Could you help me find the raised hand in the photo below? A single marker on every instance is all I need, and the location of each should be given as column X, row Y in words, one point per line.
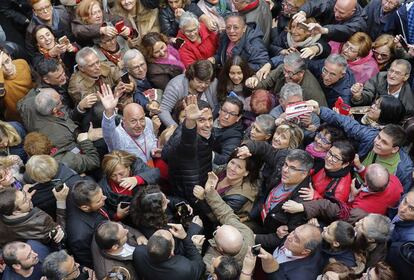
column 108, row 99
column 211, row 183
column 192, row 112
column 356, row 90
column 243, row 152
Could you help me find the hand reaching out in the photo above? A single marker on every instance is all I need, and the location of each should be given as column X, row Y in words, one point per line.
column 211, row 183
column 108, row 99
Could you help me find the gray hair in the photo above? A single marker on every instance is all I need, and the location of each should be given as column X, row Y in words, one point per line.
column 403, row 62
column 294, row 60
column 51, row 265
column 188, row 17
column 44, row 101
column 131, row 54
column 378, row 228
column 289, row 90
column 82, row 53
column 339, row 60
column 306, row 161
column 266, row 123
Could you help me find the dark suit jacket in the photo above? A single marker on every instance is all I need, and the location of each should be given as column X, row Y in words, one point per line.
column 302, row 269
column 188, row 267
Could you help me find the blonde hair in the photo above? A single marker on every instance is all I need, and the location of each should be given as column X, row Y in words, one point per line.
column 7, row 130
column 84, row 8
column 42, row 168
column 295, row 133
column 111, row 160
column 5, row 164
column 385, row 40
column 363, row 41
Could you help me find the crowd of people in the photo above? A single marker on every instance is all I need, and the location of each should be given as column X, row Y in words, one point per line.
column 206, row 139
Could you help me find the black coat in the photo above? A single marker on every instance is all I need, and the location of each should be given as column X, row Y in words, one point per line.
column 178, row 267
column 168, row 23
column 189, row 158
column 225, row 141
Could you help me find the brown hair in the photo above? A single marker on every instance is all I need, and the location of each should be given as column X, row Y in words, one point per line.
column 342, row 270
column 308, row 20
column 385, row 40
column 295, row 133
column 111, row 160
column 385, row 271
column 84, row 7
column 363, row 41
column 148, row 42
column 200, row 69
column 36, row 143
column 33, row 2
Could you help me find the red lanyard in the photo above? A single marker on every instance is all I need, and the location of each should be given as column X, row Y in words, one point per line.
column 145, row 145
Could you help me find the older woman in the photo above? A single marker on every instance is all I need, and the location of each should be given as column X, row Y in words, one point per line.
column 299, row 38
column 383, row 50
column 123, row 173
column 48, row 46
column 241, row 40
column 143, row 15
column 217, row 10
column 199, row 42
column 357, row 51
column 198, row 80
column 91, row 22
column 9, row 172
column 261, row 129
column 15, row 83
column 11, row 136
column 163, row 59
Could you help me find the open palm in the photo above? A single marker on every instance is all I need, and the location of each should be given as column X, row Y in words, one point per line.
column 108, row 99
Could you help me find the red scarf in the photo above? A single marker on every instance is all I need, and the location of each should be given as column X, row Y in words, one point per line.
column 251, row 6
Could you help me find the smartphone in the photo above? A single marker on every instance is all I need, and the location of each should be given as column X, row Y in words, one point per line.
column 182, row 209
column 119, row 25
column 59, row 186
column 124, row 204
column 256, row 249
column 178, row 43
column 343, row 108
column 404, row 43
column 125, row 78
column 63, row 40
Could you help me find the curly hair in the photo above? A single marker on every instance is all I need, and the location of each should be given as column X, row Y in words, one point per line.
column 146, row 208
column 36, row 143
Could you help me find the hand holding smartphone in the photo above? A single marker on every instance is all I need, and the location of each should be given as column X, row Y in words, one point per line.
column 119, row 26
column 256, row 249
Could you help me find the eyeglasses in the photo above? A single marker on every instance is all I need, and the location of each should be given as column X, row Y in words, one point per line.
column 398, row 73
column 291, row 169
column 347, row 47
column 204, row 83
column 324, row 140
column 327, row 73
column 139, row 66
column 233, row 114
column 75, row 269
column 112, row 39
column 383, row 55
column 334, row 158
column 43, row 10
column 290, row 73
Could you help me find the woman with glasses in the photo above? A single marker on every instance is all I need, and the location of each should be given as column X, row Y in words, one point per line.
column 199, row 42
column 163, row 59
column 298, row 38
column 385, row 110
column 334, row 179
column 358, row 54
column 380, row 271
column 383, row 50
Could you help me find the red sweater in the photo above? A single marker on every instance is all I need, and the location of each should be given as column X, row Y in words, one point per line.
column 320, row 181
column 192, row 51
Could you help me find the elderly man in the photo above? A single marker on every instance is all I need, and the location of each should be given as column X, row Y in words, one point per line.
column 293, row 70
column 55, row 17
column 24, row 260
column 88, row 80
column 340, row 19
column 394, row 82
column 375, row 146
column 299, row 256
column 334, row 77
column 379, row 14
column 134, row 134
column 289, row 94
column 232, row 238
column 257, row 12
column 157, row 259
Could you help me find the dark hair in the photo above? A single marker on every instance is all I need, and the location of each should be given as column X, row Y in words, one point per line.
column 334, row 132
column 392, row 110
column 397, row 133
column 148, row 42
column 251, row 166
column 159, row 248
column 146, row 208
column 224, row 82
column 7, row 201
column 51, row 265
column 47, row 65
column 306, row 161
column 178, row 108
column 200, row 69
column 228, row 269
column 344, row 234
column 83, row 191
column 203, row 104
column 37, row 28
column 235, row 101
column 342, row 270
column 106, row 235
column 347, row 150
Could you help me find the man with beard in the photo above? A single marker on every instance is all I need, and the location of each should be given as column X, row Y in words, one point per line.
column 24, row 260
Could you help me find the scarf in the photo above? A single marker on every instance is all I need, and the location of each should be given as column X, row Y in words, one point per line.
column 308, row 42
column 316, row 154
column 250, row 6
column 173, row 58
column 338, row 174
column 112, row 57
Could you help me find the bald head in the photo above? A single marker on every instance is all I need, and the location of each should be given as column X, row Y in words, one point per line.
column 303, row 240
column 377, row 177
column 134, row 119
column 344, row 9
column 229, row 239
